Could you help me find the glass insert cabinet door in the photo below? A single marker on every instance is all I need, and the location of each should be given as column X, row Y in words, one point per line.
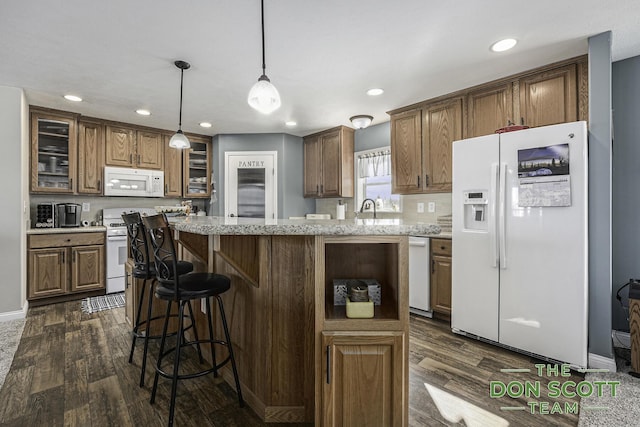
column 53, row 151
column 197, row 180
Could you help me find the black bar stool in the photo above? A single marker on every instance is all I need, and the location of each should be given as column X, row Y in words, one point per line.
column 182, row 289
column 144, row 269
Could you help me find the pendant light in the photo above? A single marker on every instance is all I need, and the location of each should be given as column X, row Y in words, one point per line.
column 263, row 95
column 180, row 140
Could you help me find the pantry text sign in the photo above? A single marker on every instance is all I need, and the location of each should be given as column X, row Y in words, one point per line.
column 561, row 387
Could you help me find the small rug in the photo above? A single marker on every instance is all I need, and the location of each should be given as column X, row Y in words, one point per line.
column 10, row 333
column 102, row 302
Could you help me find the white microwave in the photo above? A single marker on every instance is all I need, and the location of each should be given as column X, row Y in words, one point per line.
column 133, row 182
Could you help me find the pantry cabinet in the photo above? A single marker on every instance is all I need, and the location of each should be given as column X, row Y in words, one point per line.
column 328, row 163
column 61, row 264
column 90, row 157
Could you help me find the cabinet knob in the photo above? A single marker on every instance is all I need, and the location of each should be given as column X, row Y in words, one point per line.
column 68, row 240
column 442, row 247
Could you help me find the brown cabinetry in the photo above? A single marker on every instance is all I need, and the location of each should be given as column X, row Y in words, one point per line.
column 363, row 379
column 362, row 364
column 90, row 156
column 328, row 163
column 53, row 152
column 66, row 263
column 128, row 147
column 489, row 108
column 441, row 276
column 197, row 168
column 421, row 141
column 172, row 169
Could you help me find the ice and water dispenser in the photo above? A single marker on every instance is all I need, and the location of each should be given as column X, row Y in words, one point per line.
column 475, row 210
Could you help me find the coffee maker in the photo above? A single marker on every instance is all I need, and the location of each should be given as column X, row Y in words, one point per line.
column 68, row 215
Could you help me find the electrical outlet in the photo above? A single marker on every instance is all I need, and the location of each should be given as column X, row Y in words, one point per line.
column 420, row 207
column 431, row 207
column 86, row 207
column 203, row 305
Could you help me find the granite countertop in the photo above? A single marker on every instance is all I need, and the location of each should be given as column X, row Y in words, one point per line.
column 332, row 227
column 91, row 229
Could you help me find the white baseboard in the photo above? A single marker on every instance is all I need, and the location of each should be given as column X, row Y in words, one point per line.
column 13, row 315
column 621, row 339
column 600, row 362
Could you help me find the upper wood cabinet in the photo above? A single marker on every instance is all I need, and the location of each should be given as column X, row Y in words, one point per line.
column 197, row 168
column 90, row 156
column 53, row 151
column 172, row 169
column 421, row 142
column 549, row 97
column 328, row 163
column 489, row 108
column 128, row 147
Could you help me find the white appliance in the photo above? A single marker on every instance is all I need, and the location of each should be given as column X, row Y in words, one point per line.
column 117, row 249
column 520, row 272
column 133, row 182
column 419, row 276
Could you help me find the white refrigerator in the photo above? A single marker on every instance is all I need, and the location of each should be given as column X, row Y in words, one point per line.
column 519, row 268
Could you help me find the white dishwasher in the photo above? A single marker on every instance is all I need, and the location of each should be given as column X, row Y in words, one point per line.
column 419, row 276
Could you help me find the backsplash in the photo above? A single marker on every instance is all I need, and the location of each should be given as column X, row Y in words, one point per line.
column 409, row 207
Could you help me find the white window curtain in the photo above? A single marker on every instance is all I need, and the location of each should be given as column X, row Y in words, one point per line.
column 376, row 163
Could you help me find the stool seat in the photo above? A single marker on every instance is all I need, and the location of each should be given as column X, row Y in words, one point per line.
column 144, row 272
column 194, row 286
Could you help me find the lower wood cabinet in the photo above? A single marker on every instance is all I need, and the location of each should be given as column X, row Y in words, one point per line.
column 441, row 276
column 63, row 264
column 363, row 378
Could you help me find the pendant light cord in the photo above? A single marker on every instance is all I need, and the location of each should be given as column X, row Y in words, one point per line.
column 180, row 117
column 263, row 61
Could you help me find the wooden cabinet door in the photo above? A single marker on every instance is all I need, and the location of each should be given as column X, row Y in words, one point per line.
column 331, row 170
column 363, row 379
column 549, row 97
column 406, row 152
column 90, row 157
column 312, row 166
column 120, row 146
column 47, row 273
column 87, row 268
column 442, row 124
column 441, row 284
column 489, row 109
column 172, row 170
column 149, row 150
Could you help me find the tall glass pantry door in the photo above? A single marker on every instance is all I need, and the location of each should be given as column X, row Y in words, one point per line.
column 53, row 153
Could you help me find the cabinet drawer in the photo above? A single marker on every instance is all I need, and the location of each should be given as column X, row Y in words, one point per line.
column 441, row 247
column 37, row 241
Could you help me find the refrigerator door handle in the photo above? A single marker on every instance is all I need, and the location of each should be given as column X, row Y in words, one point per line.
column 502, row 216
column 493, row 235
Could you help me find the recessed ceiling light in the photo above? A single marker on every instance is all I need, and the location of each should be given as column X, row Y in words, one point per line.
column 290, row 123
column 73, row 98
column 143, row 112
column 205, row 124
column 502, row 45
column 375, row 91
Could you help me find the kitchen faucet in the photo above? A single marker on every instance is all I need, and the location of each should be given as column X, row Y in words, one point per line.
column 374, row 206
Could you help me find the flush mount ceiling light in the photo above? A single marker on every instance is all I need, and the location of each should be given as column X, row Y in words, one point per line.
column 179, row 140
column 502, row 45
column 361, row 121
column 73, row 98
column 375, row 91
column 143, row 112
column 263, row 95
column 290, row 123
column 205, row 124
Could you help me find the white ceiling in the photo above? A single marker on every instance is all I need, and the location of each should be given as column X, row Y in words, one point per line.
column 322, row 55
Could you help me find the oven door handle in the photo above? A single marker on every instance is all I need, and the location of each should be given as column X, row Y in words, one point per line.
column 116, row 238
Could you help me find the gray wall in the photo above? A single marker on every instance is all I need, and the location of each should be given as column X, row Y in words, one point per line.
column 373, row 137
column 600, row 195
column 13, row 168
column 290, row 169
column 626, row 176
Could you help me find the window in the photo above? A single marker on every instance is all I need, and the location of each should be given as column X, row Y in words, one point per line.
column 373, row 180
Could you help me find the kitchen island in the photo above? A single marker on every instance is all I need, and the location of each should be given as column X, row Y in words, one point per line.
column 300, row 359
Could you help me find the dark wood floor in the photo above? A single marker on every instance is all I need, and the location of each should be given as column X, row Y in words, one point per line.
column 71, row 369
